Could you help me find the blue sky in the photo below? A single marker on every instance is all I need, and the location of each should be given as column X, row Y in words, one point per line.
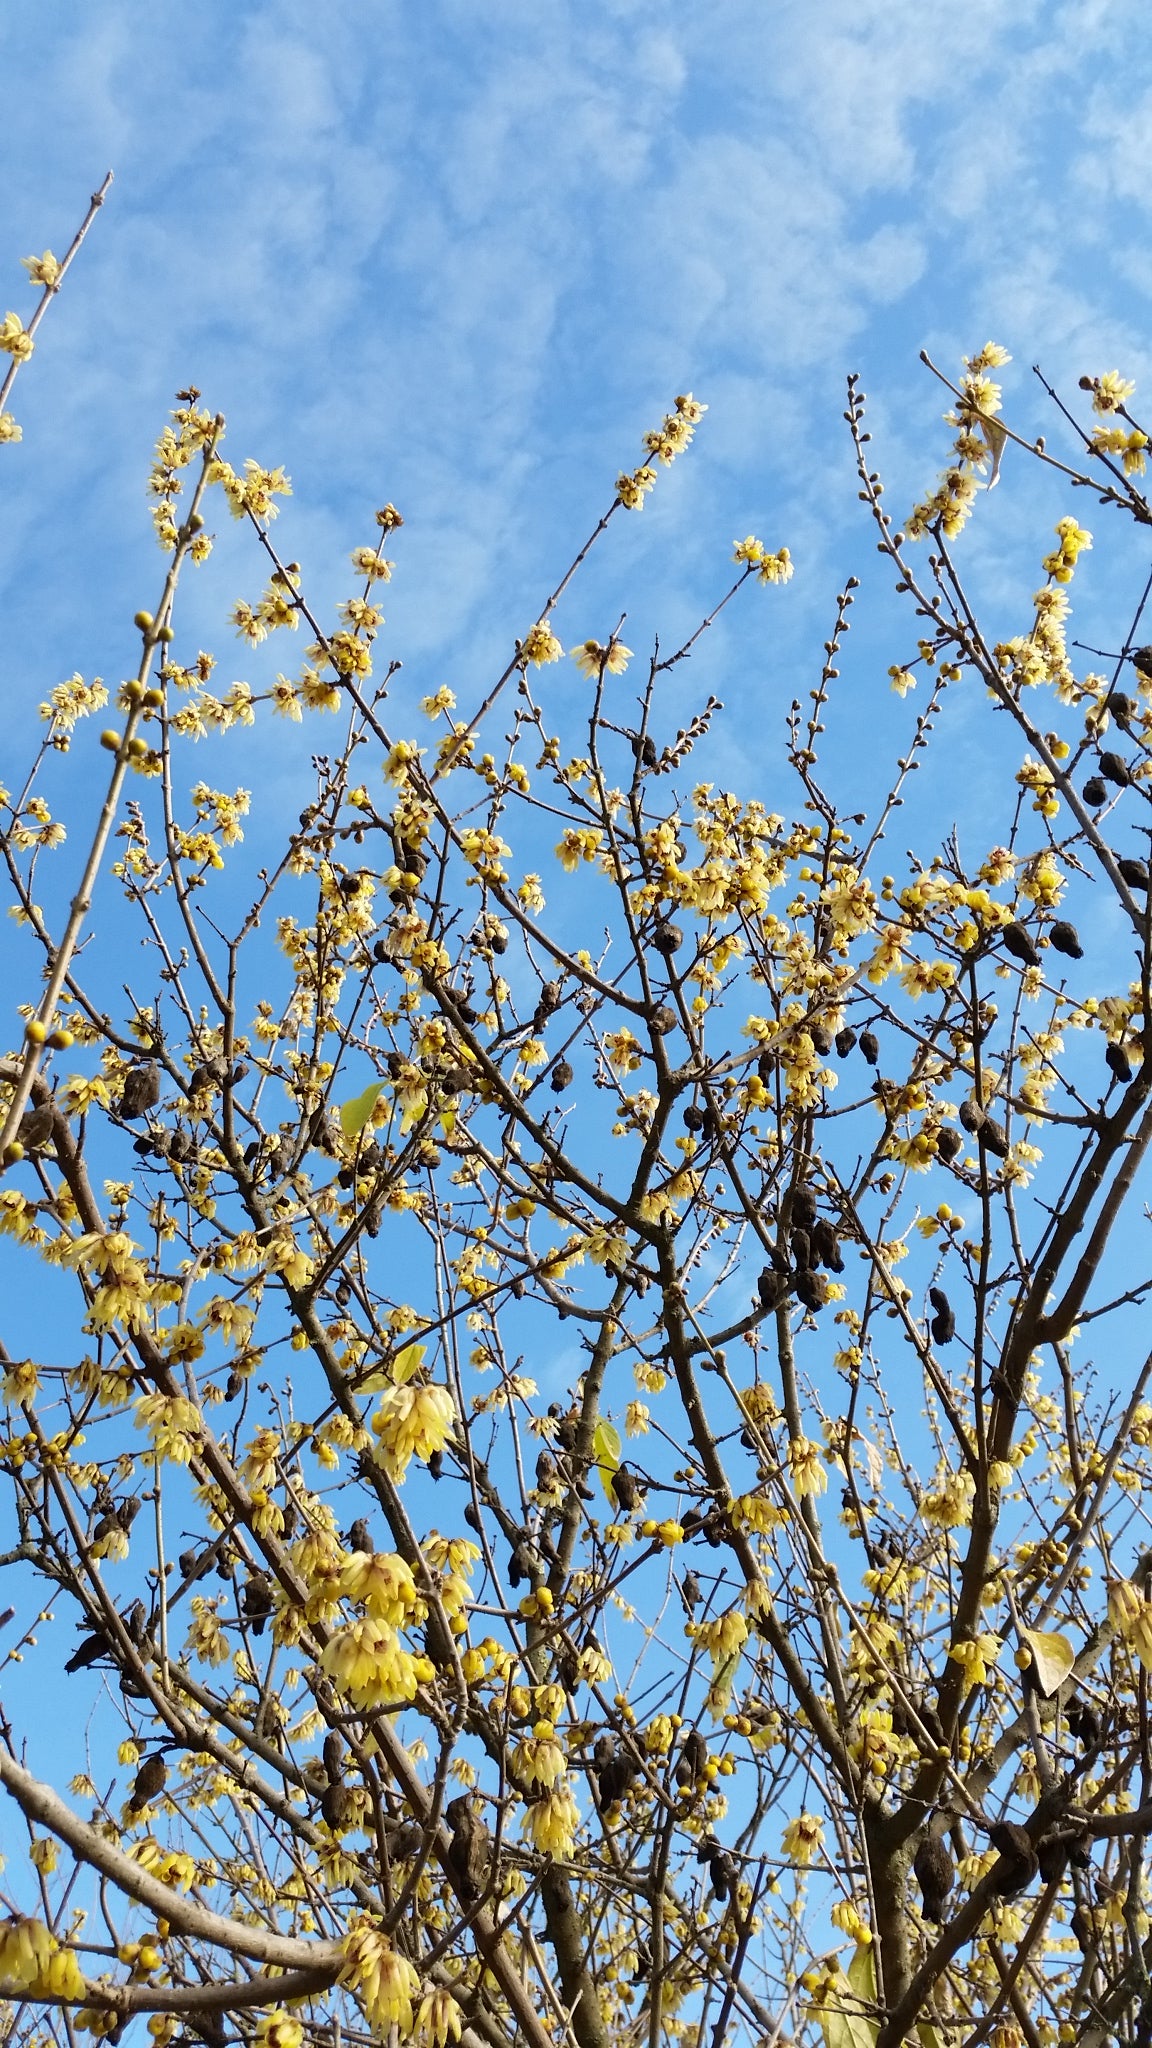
column 461, row 258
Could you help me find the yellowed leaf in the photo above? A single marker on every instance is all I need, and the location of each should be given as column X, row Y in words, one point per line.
column 1052, row 1658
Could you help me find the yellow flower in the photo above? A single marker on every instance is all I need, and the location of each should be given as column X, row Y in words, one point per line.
column 412, row 1421
column 438, row 2018
column 551, row 1823
column 592, row 659
column 777, row 568
column 806, row 1467
column 45, row 270
column 540, row 645
column 976, row 1656
column 279, row 2029
column 25, row 1950
column 14, row 340
column 1111, row 391
column 539, row 1759
column 384, row 1583
column 386, row 1982
column 1125, row 1606
column 802, row 1837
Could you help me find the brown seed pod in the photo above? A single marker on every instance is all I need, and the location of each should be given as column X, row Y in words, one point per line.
column 1064, row 938
column 141, row 1091
column 1095, row 791
column 826, row 1246
column 944, row 1320
column 1016, row 941
column 150, row 1781
column 1114, row 768
column 1118, row 1063
column 338, row 1806
column 1018, row 1862
column 935, row 1875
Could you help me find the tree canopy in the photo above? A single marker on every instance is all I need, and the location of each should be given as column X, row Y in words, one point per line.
column 585, row 1458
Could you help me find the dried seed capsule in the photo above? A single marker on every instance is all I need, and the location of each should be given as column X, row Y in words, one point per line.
column 1114, row 768
column 771, row 1289
column 803, row 1210
column 944, row 1320
column 935, row 1875
column 667, row 939
column 1065, row 938
column 822, row 1039
column 561, row 1077
column 1018, row 942
column 338, row 1806
column 844, row 1040
column 1118, row 1063
column 1132, row 871
column 1083, row 1721
column 1018, row 1862
column 809, row 1288
column 141, row 1091
column 995, row 1137
column 948, row 1142
column 870, row 1047
column 826, row 1246
column 151, row 1779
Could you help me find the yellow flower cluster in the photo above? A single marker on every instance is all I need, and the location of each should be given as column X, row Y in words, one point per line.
column 385, row 1982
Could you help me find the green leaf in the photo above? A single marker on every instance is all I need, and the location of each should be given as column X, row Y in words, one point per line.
column 407, row 1362
column 606, row 1452
column 1052, row 1658
column 355, row 1114
column 842, row 2021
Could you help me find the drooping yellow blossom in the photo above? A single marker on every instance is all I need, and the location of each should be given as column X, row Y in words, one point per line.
column 802, row 1837
column 385, row 1981
column 976, row 1657
column 550, row 1823
column 412, row 1421
column 370, row 1664
column 539, row 1760
column 438, row 2020
column 384, row 1583
column 806, row 1468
